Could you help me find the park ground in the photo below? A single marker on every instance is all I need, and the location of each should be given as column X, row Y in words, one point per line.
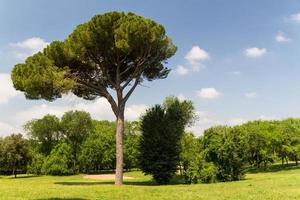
column 277, row 183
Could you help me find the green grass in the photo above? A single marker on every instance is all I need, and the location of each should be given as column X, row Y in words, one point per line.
column 284, row 184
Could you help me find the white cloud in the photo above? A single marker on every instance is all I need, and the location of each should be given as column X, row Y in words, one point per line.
column 134, row 112
column 197, row 66
column 235, row 121
column 208, row 93
column 7, row 90
column 197, row 54
column 207, row 120
column 250, row 95
column 282, row 38
column 295, row 17
column 181, row 70
column 99, row 109
column 6, row 129
column 255, row 52
column 28, row 47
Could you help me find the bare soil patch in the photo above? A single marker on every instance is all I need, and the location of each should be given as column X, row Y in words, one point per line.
column 105, row 177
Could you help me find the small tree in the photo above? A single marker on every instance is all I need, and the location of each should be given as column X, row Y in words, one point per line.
column 15, row 153
column 162, row 128
column 114, row 51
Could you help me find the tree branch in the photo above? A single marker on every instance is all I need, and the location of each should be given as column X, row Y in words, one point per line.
column 137, row 80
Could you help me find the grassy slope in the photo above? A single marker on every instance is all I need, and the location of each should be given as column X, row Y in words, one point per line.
column 271, row 185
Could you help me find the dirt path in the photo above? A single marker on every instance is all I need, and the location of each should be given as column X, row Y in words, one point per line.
column 105, row 177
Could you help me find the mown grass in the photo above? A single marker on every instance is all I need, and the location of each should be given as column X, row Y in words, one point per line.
column 279, row 185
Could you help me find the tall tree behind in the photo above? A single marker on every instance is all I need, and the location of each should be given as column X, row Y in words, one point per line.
column 114, row 51
column 162, row 128
column 45, row 132
column 76, row 126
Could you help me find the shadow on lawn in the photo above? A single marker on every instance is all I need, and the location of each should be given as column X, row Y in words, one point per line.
column 23, row 176
column 136, row 183
column 274, row 168
column 175, row 181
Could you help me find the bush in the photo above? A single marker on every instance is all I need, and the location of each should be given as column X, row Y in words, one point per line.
column 208, row 174
column 36, row 165
column 60, row 161
column 201, row 171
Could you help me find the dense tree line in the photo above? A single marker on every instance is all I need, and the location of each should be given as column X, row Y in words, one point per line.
column 225, row 153
column 158, row 145
column 75, row 143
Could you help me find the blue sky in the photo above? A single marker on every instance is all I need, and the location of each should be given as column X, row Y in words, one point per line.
column 237, row 60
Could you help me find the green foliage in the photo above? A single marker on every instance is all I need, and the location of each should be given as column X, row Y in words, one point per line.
column 162, row 128
column 14, row 154
column 190, row 147
column 76, row 126
column 36, row 165
column 113, row 43
column 60, row 161
column 45, row 132
column 257, row 142
column 222, row 147
column 198, row 170
column 39, row 78
column 98, row 151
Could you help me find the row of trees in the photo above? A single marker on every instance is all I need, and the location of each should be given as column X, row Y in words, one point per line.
column 158, row 145
column 224, row 153
column 75, row 143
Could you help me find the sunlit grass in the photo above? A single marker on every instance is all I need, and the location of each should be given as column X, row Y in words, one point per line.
column 279, row 185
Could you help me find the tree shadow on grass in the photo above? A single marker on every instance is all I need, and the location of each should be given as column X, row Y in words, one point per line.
column 177, row 180
column 134, row 183
column 273, row 168
column 23, row 176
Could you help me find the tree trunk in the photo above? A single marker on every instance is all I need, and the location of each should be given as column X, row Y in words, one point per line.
column 119, row 146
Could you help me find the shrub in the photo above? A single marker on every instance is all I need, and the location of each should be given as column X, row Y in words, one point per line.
column 60, row 161
column 201, row 171
column 36, row 165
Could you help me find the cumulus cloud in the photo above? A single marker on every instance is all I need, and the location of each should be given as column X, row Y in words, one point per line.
column 282, row 38
column 181, row 97
column 250, row 95
column 295, row 17
column 207, row 120
column 255, row 52
column 7, row 90
column 99, row 109
column 194, row 58
column 208, row 93
column 235, row 121
column 28, row 47
column 7, row 129
column 197, row 54
column 181, row 70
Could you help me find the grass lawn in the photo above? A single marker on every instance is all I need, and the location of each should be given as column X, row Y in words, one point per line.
column 283, row 184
